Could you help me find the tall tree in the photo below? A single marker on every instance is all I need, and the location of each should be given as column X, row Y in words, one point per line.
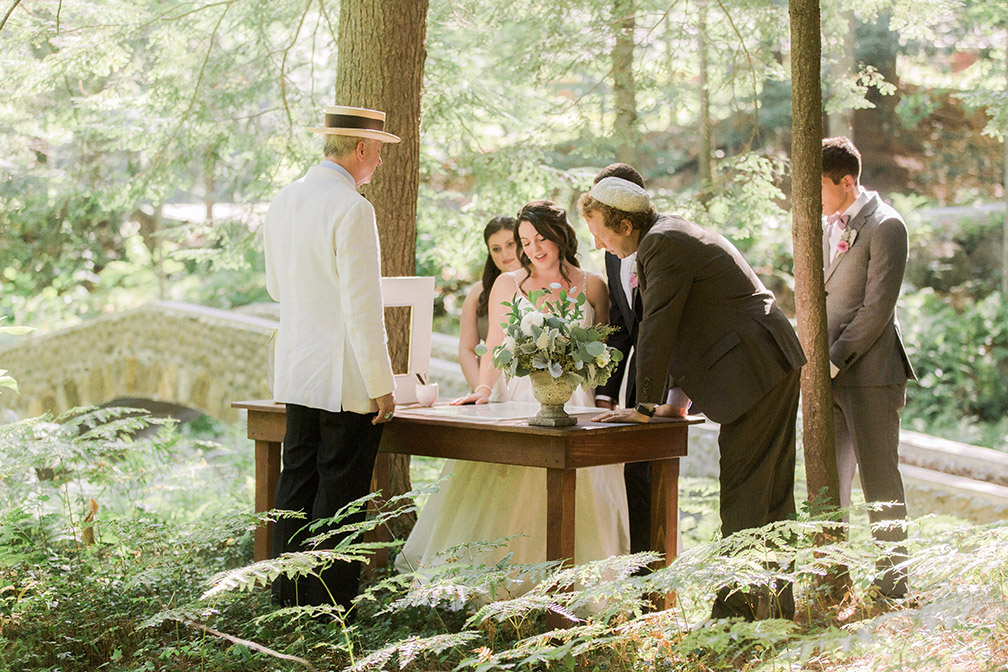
column 706, row 128
column 1004, row 226
column 841, row 120
column 382, row 48
column 810, row 293
column 625, row 126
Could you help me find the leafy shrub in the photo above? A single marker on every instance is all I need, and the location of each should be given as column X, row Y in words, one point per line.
column 161, row 591
column 961, row 358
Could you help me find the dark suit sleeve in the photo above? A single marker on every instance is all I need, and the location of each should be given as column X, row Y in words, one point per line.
column 886, row 264
column 665, row 286
column 622, row 340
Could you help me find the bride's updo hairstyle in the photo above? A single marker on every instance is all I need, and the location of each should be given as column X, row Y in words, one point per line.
column 550, row 221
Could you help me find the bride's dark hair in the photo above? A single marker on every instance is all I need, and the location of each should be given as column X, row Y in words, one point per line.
column 550, row 221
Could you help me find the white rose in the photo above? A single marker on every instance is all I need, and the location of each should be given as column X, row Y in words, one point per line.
column 530, row 319
column 603, row 359
column 509, row 343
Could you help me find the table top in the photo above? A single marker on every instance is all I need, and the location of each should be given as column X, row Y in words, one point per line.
column 500, row 433
column 506, row 416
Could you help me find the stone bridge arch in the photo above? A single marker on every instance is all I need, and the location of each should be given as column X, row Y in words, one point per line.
column 171, row 352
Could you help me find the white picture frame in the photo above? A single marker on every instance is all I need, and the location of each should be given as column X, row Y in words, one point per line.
column 416, row 293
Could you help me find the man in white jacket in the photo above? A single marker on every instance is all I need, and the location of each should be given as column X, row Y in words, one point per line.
column 332, row 367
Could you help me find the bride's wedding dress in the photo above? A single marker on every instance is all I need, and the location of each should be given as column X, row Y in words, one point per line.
column 485, row 502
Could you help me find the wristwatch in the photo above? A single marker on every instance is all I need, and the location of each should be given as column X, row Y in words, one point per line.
column 646, row 409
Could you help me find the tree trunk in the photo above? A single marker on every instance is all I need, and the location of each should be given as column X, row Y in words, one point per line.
column 876, row 130
column 209, row 169
column 625, row 126
column 1004, row 226
column 842, row 122
column 382, row 48
column 706, row 134
column 810, row 294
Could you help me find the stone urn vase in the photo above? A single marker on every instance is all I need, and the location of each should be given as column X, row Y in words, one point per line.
column 551, row 393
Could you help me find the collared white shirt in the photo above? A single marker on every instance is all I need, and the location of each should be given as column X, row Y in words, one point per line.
column 332, row 165
column 852, row 211
column 627, row 266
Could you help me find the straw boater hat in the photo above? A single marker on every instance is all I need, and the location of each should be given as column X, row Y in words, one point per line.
column 621, row 194
column 356, row 121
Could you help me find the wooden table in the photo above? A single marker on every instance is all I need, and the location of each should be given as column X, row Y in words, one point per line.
column 476, row 433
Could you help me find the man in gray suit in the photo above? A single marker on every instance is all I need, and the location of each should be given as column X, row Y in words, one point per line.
column 865, row 254
column 710, row 331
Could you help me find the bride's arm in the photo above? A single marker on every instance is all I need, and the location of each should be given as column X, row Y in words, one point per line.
column 598, row 296
column 504, row 289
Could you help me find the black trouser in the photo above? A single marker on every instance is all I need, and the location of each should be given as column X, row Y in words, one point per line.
column 757, row 480
column 637, row 476
column 327, row 463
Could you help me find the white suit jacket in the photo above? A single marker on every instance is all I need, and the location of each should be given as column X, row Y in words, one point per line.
column 323, row 265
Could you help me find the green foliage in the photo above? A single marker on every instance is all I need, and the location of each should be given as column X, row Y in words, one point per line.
column 74, row 588
column 8, row 382
column 959, row 261
column 612, row 627
column 163, row 590
column 961, row 358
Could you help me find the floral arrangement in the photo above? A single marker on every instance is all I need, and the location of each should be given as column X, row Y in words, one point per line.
column 554, row 341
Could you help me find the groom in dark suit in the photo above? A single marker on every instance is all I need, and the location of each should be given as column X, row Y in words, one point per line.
column 711, row 330
column 624, row 314
column 865, row 253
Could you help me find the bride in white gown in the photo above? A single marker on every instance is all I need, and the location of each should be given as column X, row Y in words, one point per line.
column 484, row 502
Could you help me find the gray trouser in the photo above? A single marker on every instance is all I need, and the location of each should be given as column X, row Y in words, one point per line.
column 867, row 424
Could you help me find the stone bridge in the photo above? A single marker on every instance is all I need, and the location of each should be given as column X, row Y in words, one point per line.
column 175, row 353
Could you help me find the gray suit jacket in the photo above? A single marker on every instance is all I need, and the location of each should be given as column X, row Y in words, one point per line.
column 862, row 286
column 709, row 325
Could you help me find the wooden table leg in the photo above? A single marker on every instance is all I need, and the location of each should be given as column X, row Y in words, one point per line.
column 665, row 516
column 665, row 507
column 267, row 472
column 381, row 481
column 561, row 486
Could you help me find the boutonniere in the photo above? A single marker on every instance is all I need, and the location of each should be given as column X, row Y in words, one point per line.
column 633, row 279
column 847, row 236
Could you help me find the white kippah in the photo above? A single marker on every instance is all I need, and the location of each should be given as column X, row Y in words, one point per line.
column 621, row 194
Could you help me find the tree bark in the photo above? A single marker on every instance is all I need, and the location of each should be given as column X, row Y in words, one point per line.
column 625, row 126
column 1004, row 225
column 876, row 130
column 810, row 294
column 382, row 47
column 842, row 122
column 706, row 132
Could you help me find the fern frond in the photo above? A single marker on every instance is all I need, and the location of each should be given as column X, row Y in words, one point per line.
column 410, row 649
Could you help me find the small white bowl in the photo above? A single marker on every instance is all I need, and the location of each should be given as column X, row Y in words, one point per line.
column 427, row 394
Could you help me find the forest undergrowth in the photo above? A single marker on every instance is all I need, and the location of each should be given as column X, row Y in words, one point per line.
column 125, row 545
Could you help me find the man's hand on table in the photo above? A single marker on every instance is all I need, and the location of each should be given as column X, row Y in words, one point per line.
column 631, row 415
column 386, row 408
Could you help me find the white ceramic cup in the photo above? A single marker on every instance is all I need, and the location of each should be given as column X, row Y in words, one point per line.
column 427, row 394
